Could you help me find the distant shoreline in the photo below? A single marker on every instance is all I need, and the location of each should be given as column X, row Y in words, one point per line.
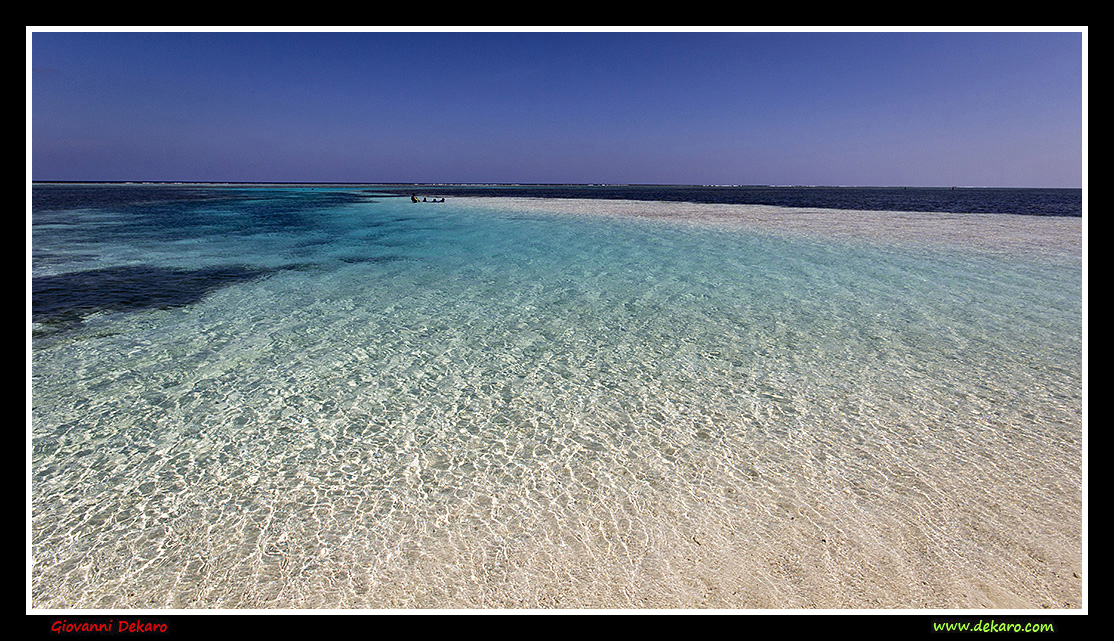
column 1045, row 235
column 526, row 184
column 1030, row 201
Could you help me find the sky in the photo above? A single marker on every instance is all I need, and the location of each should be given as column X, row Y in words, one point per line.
column 896, row 108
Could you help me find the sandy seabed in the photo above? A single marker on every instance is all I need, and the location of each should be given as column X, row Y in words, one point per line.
column 920, row 531
column 1004, row 233
column 796, row 489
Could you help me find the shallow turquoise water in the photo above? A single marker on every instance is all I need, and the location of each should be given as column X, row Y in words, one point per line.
column 457, row 405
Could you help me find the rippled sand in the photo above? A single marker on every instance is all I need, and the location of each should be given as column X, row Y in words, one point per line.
column 993, row 232
column 396, row 438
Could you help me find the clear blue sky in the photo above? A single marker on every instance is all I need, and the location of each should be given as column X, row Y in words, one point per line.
column 934, row 109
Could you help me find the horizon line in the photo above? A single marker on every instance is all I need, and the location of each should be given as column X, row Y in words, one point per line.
column 532, row 184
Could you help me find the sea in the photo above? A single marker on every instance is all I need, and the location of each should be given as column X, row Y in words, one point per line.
column 537, row 397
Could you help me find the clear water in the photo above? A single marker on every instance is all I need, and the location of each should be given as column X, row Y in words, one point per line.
column 310, row 398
